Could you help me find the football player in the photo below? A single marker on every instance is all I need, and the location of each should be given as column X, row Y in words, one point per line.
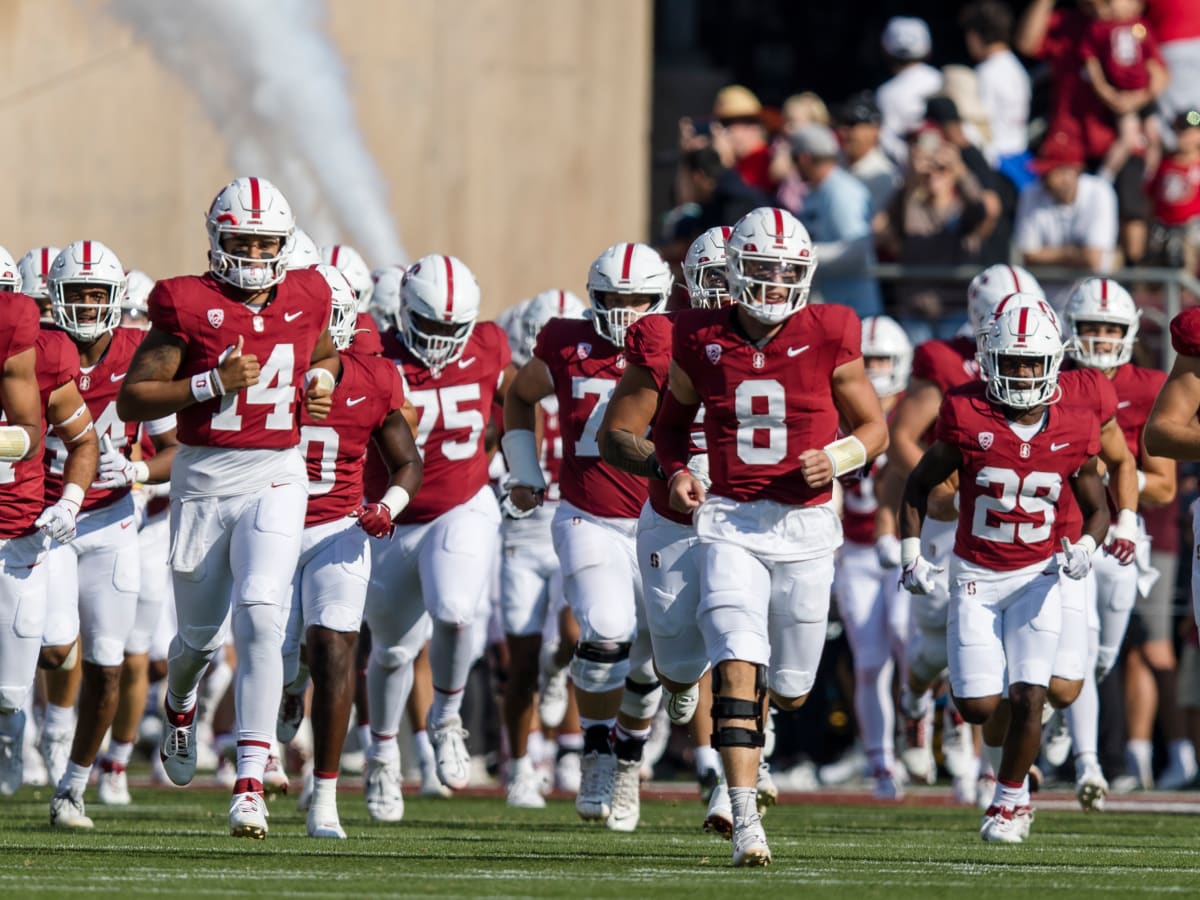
column 1014, row 439
column 231, row 353
column 354, row 268
column 98, row 570
column 594, row 527
column 775, row 375
column 34, row 266
column 438, row 564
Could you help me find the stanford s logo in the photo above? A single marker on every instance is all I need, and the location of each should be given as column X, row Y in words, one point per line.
column 216, row 317
column 713, row 352
column 971, row 367
column 1025, row 451
column 985, row 440
column 655, row 561
column 85, row 382
column 758, row 361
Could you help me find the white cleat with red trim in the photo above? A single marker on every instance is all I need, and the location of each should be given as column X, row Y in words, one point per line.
column 248, row 812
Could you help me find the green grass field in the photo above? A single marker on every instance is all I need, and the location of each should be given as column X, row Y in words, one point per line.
column 175, row 843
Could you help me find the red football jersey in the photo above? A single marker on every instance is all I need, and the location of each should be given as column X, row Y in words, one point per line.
column 946, row 363
column 22, row 484
column 99, row 386
column 765, row 406
column 203, row 313
column 366, row 336
column 1137, row 389
column 453, row 410
column 586, row 368
column 1175, row 190
column 368, row 392
column 1012, row 491
column 648, row 344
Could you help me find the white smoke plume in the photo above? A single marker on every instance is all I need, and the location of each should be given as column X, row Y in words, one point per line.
column 272, row 82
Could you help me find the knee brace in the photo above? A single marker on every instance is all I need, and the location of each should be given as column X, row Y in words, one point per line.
column 725, row 708
column 600, row 666
column 641, row 698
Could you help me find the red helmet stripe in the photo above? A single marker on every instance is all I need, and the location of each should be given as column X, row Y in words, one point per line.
column 1104, row 293
column 726, row 231
column 874, row 322
column 449, row 288
column 255, row 198
column 45, row 260
column 87, row 256
column 778, row 225
column 628, row 261
column 333, row 257
column 562, row 304
column 1023, row 322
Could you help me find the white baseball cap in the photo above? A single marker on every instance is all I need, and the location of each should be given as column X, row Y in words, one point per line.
column 907, row 37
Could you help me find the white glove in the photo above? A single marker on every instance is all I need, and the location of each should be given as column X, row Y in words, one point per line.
column 920, row 576
column 1075, row 560
column 887, row 548
column 116, row 469
column 58, row 521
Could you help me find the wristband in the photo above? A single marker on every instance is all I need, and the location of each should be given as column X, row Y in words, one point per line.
column 72, row 493
column 1126, row 525
column 671, row 480
column 395, row 499
column 14, row 443
column 1141, row 479
column 1088, row 543
column 910, row 550
column 72, row 417
column 846, row 455
column 323, row 377
column 203, row 387
column 141, row 472
column 521, row 454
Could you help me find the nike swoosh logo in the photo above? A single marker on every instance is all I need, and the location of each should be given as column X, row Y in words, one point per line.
column 1054, row 448
column 463, row 363
column 796, row 351
column 280, row 484
column 354, row 401
column 116, row 377
column 1124, row 403
column 126, row 524
column 292, row 316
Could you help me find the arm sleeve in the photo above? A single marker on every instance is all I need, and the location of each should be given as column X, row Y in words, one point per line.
column 25, row 326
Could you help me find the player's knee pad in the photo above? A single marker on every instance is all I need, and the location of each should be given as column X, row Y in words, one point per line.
column 725, row 708
column 641, row 698
column 600, row 666
column 71, row 660
column 106, row 652
column 257, row 621
column 261, row 590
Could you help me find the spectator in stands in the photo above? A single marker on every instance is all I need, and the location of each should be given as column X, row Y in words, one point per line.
column 798, row 110
column 858, row 121
column 1066, row 217
column 716, row 188
column 939, row 217
column 837, row 214
column 1003, row 82
column 1175, row 193
column 739, row 120
column 1176, row 25
column 901, row 99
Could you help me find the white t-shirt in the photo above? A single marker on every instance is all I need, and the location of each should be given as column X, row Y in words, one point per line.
column 1091, row 221
column 901, row 101
column 1004, row 90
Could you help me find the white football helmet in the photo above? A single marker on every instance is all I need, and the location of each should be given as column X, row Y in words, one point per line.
column 1101, row 300
column 89, row 263
column 34, row 267
column 304, row 253
column 10, row 274
column 704, row 269
column 772, row 239
column 354, row 267
column 510, row 320
column 138, row 286
column 439, row 303
column 344, row 314
column 541, row 309
column 1018, row 301
column 249, row 205
column 1025, row 332
column 992, row 285
column 627, row 269
column 385, row 296
column 883, row 337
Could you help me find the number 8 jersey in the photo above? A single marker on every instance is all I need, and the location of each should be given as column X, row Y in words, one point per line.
column 1012, row 487
column 283, row 335
column 764, row 406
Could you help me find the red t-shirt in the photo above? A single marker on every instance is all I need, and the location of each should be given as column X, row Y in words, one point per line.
column 1123, row 49
column 586, row 368
column 1173, row 20
column 765, row 406
column 1011, row 491
column 205, row 314
column 1175, row 190
column 368, row 392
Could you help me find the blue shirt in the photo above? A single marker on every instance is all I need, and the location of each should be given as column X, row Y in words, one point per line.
column 839, row 209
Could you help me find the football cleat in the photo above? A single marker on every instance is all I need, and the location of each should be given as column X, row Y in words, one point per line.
column 248, row 815
column 12, row 754
column 178, row 748
column 112, row 787
column 304, row 801
column 626, row 807
column 597, row 773
column 275, row 779
column 719, row 818
column 768, row 793
column 887, row 786
column 1056, row 740
column 385, row 802
column 958, row 749
column 525, row 790
column 750, row 842
column 1006, row 824
column 552, row 688
column 682, row 706
column 985, row 790
column 431, row 785
column 1091, row 789
column 450, row 749
column 917, row 754
column 322, row 822
column 67, row 811
column 291, row 714
column 55, row 748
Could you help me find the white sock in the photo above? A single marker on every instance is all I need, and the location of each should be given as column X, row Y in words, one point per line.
column 424, row 746
column 119, row 753
column 1183, row 754
column 521, row 765
column 387, row 692
column 446, row 705
column 1083, row 717
column 59, row 719
column 1013, row 795
column 364, row 737
column 252, row 758
column 450, row 659
column 74, row 780
column 1085, row 761
column 324, row 792
column 383, row 748
column 744, row 801
column 1142, row 754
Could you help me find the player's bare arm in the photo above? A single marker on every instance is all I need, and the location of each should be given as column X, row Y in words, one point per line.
column 72, row 423
column 939, row 463
column 159, row 466
column 532, row 383
column 396, row 444
column 1120, row 465
column 915, row 414
column 1173, row 431
column 859, row 406
column 318, row 396
column 623, row 444
column 1156, row 478
column 1088, row 488
column 20, row 400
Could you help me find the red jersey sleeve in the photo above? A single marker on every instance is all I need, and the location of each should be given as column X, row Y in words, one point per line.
column 946, row 429
column 23, row 326
column 164, row 312
column 1185, row 332
column 366, row 336
column 648, row 344
column 849, row 327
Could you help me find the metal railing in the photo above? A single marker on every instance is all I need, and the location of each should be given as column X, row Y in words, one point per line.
column 1173, row 281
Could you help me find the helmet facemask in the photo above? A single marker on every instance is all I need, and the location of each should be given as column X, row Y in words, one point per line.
column 86, row 321
column 248, row 273
column 1021, row 392
column 707, row 284
column 1085, row 349
column 436, row 344
column 770, row 288
column 611, row 323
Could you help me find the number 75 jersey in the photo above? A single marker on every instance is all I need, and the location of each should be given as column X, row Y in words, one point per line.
column 452, row 415
column 1012, row 491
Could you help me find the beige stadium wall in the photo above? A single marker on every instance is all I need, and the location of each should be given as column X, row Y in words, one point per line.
column 512, row 133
